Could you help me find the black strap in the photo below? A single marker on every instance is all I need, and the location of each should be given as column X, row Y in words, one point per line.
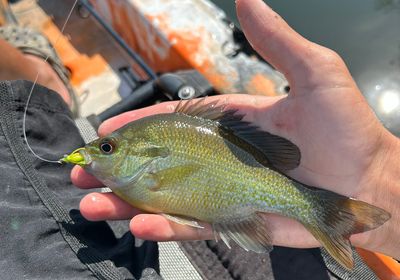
column 96, row 263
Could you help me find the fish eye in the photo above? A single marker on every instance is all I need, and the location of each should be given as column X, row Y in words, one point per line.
column 107, row 147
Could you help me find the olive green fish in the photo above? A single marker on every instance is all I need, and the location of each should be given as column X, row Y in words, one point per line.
column 204, row 163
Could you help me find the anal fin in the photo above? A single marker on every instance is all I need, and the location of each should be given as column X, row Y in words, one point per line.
column 251, row 234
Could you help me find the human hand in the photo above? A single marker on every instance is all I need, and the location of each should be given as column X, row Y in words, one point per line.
column 344, row 147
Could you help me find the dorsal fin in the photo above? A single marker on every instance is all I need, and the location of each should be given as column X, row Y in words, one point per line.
column 198, row 108
column 276, row 151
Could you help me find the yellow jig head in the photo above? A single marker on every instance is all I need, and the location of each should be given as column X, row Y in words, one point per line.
column 75, row 158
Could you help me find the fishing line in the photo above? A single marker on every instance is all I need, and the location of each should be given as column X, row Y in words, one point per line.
column 33, row 86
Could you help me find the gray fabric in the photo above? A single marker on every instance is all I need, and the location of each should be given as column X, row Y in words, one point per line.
column 86, row 130
column 360, row 271
column 215, row 261
column 174, row 265
column 43, row 235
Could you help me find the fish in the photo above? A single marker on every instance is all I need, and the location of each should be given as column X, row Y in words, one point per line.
column 205, row 163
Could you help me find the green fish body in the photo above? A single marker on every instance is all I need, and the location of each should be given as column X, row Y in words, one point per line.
column 203, row 163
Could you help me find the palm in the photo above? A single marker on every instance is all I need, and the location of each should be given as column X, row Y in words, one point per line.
column 330, row 126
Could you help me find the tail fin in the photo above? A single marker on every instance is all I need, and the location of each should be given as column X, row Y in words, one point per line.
column 337, row 218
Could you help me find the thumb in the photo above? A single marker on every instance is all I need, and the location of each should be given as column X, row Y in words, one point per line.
column 283, row 47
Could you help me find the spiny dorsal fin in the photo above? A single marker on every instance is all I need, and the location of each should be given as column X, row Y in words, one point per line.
column 198, row 108
column 278, row 152
column 250, row 234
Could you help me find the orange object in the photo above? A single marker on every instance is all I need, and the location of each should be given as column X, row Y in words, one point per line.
column 386, row 268
column 81, row 66
column 259, row 84
column 175, row 35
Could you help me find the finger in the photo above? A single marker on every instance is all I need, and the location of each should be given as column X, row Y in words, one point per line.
column 270, row 35
column 249, row 105
column 106, row 206
column 279, row 44
column 84, row 180
column 285, row 232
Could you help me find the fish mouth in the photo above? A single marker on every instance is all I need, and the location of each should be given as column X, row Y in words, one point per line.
column 78, row 157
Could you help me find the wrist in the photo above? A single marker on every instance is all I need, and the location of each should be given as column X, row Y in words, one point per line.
column 381, row 188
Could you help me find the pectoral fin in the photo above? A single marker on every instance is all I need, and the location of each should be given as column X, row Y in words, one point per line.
column 170, row 177
column 155, row 153
column 250, row 234
column 131, row 179
column 182, row 220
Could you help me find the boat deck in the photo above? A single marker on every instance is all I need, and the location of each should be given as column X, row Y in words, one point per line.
column 85, row 48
